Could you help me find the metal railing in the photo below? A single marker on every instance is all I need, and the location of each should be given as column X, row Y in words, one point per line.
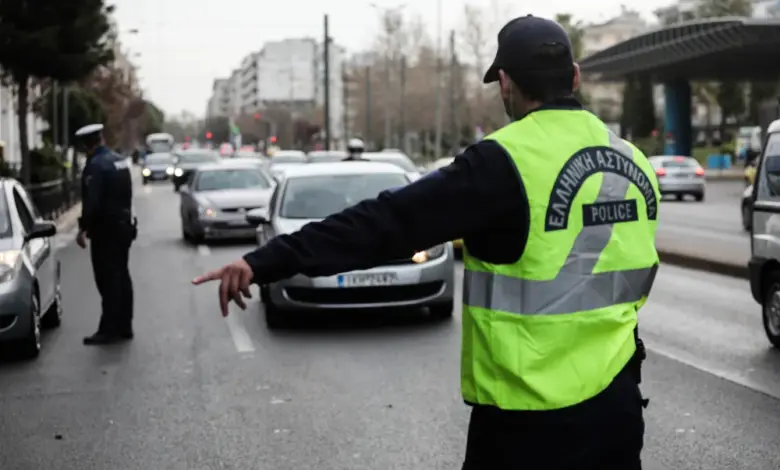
column 53, row 198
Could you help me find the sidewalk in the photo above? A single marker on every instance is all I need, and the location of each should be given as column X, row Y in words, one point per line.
column 735, row 173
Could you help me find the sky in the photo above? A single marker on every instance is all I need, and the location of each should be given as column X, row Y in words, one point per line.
column 181, row 46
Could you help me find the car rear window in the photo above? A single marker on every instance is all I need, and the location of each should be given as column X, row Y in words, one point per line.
column 680, row 163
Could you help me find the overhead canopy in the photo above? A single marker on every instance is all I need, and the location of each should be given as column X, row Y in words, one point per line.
column 717, row 49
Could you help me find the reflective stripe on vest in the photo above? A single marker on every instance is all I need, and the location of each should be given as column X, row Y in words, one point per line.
column 576, row 288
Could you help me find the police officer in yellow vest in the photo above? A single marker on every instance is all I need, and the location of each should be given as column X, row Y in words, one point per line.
column 559, row 217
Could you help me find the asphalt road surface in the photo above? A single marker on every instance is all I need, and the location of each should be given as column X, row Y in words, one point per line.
column 711, row 229
column 194, row 391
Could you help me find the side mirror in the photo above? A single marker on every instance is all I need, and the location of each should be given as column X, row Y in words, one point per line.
column 42, row 229
column 258, row 216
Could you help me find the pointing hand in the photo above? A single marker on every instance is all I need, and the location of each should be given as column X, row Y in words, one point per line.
column 234, row 280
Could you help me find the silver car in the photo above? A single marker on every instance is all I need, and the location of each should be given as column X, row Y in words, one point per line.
column 679, row 176
column 216, row 199
column 321, row 156
column 312, row 192
column 30, row 295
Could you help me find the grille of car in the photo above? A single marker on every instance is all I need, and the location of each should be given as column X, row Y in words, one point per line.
column 364, row 295
column 238, row 209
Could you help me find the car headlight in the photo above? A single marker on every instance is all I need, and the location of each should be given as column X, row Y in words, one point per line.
column 146, row 172
column 9, row 264
column 178, row 172
column 429, row 254
column 169, row 170
column 206, row 212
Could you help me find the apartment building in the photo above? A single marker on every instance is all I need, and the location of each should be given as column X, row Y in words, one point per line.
column 219, row 104
column 289, row 73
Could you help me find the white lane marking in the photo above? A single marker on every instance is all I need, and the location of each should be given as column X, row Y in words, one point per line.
column 241, row 339
column 204, row 250
column 737, row 378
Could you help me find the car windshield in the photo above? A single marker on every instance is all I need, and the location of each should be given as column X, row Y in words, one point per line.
column 159, row 159
column 325, row 156
column 288, row 158
column 316, row 197
column 238, row 178
column 5, row 217
column 398, row 160
column 197, row 158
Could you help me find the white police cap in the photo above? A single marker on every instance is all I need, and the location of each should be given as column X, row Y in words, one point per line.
column 89, row 129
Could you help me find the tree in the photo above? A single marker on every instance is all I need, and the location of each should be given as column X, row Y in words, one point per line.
column 152, row 119
column 83, row 108
column 576, row 32
column 63, row 40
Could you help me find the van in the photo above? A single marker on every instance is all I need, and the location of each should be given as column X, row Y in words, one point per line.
column 764, row 264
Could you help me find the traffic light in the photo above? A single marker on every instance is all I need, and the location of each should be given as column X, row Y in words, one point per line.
column 186, row 138
column 209, row 135
column 273, row 139
column 257, row 116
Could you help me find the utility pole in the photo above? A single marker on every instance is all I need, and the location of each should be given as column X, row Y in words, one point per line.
column 345, row 81
column 454, row 130
column 402, row 97
column 327, row 84
column 437, row 144
column 369, row 110
column 55, row 111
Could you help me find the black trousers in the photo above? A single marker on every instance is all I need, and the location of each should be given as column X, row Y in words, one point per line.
column 110, row 254
column 603, row 433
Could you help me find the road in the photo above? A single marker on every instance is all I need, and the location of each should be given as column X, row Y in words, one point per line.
column 194, row 391
column 711, row 229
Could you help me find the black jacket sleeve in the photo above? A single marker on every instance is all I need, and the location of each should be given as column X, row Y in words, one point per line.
column 477, row 192
column 94, row 187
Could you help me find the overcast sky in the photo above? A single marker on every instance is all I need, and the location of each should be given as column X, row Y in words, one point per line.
column 183, row 45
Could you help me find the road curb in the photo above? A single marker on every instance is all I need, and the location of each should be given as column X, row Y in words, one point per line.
column 701, row 264
column 69, row 219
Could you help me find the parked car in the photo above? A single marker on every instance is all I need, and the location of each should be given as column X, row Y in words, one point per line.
column 187, row 161
column 157, row 167
column 214, row 204
column 398, row 159
column 312, row 192
column 30, row 294
column 764, row 264
column 289, row 156
column 679, row 176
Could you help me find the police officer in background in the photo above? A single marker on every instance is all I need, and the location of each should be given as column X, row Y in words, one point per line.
column 355, row 149
column 559, row 217
column 107, row 221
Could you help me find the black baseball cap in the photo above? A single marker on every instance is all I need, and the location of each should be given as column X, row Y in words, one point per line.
column 519, row 43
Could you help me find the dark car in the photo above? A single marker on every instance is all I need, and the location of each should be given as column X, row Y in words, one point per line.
column 157, row 167
column 187, row 161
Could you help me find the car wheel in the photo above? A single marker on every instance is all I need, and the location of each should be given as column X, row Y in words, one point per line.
column 175, row 188
column 747, row 217
column 30, row 345
column 771, row 310
column 53, row 316
column 442, row 311
column 699, row 197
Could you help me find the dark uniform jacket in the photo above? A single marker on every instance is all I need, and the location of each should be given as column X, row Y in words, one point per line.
column 106, row 191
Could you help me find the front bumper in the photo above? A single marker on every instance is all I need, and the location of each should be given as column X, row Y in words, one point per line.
column 225, row 226
column 15, row 307
column 156, row 176
column 424, row 284
column 683, row 187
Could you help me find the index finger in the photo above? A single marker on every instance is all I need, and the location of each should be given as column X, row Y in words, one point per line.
column 208, row 277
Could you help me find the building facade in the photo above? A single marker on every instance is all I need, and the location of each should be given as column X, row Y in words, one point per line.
column 219, row 104
column 9, row 127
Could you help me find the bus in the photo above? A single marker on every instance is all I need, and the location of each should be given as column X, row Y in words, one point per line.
column 159, row 143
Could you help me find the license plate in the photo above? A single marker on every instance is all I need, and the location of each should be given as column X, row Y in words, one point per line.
column 237, row 223
column 367, row 280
